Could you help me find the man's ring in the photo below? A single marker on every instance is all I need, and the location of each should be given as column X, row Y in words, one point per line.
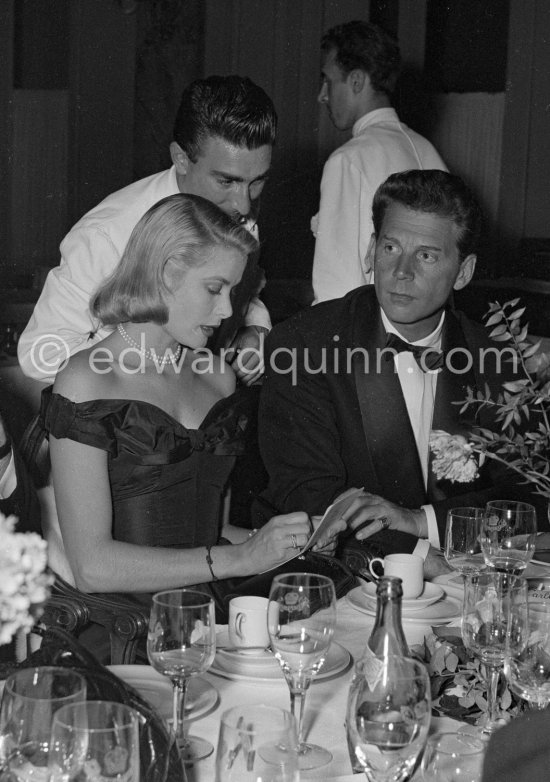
column 384, row 521
column 294, row 540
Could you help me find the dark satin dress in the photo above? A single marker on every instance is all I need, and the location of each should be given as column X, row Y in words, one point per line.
column 167, row 481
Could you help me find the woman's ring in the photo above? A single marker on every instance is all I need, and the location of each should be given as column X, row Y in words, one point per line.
column 384, row 521
column 294, row 540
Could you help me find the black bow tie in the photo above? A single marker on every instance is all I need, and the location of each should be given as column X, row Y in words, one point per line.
column 427, row 358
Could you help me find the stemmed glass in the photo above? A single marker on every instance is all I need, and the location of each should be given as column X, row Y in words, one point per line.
column 388, row 716
column 494, row 626
column 257, row 743
column 95, row 740
column 453, row 757
column 463, row 540
column 528, row 674
column 508, row 535
column 31, row 698
column 300, row 617
column 181, row 643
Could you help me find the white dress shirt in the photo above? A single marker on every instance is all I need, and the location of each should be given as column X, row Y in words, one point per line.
column 61, row 322
column 419, row 389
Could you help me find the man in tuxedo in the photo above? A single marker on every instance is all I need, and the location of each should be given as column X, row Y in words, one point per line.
column 345, row 402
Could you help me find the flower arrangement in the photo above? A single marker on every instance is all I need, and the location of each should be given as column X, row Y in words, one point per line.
column 24, row 582
column 459, row 688
column 524, row 403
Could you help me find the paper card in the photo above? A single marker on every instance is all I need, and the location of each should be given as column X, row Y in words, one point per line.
column 332, row 514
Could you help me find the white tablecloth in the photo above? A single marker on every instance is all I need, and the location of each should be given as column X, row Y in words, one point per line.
column 325, row 704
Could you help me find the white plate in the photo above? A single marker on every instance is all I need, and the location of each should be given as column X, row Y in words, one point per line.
column 442, row 612
column 201, row 696
column 430, row 594
column 452, row 583
column 338, row 660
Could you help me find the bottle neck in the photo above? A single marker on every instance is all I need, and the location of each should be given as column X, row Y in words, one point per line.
column 387, row 636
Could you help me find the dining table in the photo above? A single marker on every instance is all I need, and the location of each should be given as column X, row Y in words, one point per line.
column 325, row 706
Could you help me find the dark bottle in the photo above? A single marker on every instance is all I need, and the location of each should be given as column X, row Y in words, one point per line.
column 387, row 635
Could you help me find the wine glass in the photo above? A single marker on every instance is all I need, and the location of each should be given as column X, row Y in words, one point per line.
column 494, row 625
column 528, row 674
column 257, row 743
column 300, row 618
column 508, row 535
column 452, row 757
column 463, row 540
column 31, row 698
column 94, row 740
column 388, row 716
column 181, row 643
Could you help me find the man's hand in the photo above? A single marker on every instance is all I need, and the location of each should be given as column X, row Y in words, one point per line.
column 370, row 513
column 328, row 543
column 246, row 354
column 435, row 564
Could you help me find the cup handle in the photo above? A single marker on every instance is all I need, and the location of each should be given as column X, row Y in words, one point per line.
column 371, row 563
column 239, row 619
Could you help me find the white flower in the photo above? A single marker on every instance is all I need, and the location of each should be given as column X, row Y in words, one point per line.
column 454, row 457
column 24, row 584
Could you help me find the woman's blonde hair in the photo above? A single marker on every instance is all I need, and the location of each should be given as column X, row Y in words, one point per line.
column 172, row 236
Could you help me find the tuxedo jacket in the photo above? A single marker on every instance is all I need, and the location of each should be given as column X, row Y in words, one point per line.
column 332, row 413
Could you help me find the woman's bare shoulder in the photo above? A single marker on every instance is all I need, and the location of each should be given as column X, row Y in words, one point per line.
column 79, row 379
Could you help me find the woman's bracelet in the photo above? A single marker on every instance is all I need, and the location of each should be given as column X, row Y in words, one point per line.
column 252, row 532
column 210, row 563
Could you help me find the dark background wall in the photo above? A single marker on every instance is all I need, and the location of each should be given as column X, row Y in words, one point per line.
column 89, row 90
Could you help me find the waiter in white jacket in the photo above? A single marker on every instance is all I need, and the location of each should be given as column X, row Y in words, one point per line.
column 223, row 138
column 360, row 65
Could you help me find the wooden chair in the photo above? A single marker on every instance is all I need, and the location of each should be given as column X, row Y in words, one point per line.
column 73, row 611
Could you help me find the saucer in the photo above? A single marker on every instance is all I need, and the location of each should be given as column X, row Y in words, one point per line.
column 430, row 594
column 240, row 668
column 438, row 612
column 156, row 689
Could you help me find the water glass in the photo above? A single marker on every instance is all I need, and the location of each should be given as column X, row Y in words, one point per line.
column 452, row 757
column 181, row 643
column 508, row 535
column 388, row 716
column 30, row 700
column 300, row 618
column 528, row 673
column 257, row 744
column 494, row 627
column 94, row 741
column 463, row 540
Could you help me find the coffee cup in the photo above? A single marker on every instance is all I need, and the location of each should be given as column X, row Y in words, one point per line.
column 408, row 567
column 248, row 621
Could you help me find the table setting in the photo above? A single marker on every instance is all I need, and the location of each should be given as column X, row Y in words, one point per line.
column 299, row 656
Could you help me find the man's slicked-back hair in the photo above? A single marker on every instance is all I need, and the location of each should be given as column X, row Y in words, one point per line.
column 230, row 107
column 433, row 192
column 367, row 47
column 174, row 235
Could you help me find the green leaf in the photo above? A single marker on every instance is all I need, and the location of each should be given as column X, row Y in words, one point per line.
column 532, row 350
column 517, row 313
column 496, row 332
column 494, row 319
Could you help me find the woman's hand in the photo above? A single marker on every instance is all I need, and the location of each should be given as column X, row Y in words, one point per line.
column 277, row 541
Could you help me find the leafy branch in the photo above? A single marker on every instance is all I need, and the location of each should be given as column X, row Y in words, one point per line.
column 458, row 682
column 521, row 409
